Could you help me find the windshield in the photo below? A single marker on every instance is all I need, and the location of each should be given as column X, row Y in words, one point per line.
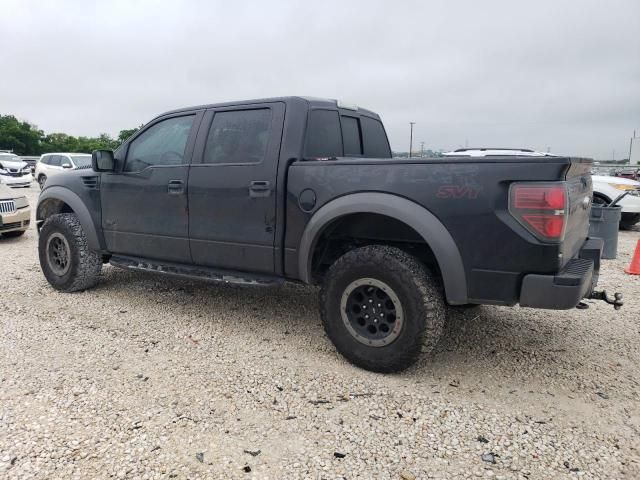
column 81, row 160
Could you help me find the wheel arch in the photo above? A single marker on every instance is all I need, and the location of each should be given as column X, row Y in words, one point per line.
column 427, row 225
column 57, row 199
column 603, row 196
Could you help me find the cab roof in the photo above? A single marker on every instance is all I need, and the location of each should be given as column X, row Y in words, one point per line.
column 312, row 102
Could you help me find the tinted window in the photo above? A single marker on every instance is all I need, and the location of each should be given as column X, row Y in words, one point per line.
column 240, row 136
column 55, row 160
column 64, row 161
column 351, row 136
column 161, row 144
column 323, row 135
column 374, row 139
column 45, row 160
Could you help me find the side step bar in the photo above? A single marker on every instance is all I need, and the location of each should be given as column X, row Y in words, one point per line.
column 194, row 272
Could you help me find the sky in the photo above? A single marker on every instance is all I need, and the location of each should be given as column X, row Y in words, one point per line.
column 546, row 74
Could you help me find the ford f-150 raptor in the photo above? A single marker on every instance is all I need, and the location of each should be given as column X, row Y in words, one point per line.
column 306, row 190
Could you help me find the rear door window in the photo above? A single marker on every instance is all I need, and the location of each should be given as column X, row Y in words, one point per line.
column 324, row 139
column 351, row 136
column 374, row 139
column 55, row 160
column 238, row 136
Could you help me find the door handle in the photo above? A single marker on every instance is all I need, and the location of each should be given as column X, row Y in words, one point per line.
column 175, row 187
column 259, row 188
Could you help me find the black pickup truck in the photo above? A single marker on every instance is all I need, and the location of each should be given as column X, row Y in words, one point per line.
column 306, row 190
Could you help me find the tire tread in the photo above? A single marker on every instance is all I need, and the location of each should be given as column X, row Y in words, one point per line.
column 423, row 289
column 89, row 265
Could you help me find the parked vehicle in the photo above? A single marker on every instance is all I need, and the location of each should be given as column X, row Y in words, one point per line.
column 13, row 171
column 305, row 190
column 486, row 152
column 632, row 173
column 31, row 161
column 607, row 189
column 51, row 164
column 15, row 213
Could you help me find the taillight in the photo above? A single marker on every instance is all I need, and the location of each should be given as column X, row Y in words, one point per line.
column 541, row 208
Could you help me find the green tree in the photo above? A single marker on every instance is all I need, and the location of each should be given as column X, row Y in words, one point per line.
column 21, row 137
column 125, row 134
column 26, row 139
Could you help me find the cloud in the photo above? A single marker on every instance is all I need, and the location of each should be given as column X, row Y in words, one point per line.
column 564, row 75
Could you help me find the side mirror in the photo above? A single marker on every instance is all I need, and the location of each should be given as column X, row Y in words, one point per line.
column 103, row 161
column 66, row 165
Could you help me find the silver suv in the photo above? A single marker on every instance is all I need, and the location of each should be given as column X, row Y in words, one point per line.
column 51, row 164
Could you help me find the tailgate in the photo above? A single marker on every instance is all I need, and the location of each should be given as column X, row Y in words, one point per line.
column 579, row 191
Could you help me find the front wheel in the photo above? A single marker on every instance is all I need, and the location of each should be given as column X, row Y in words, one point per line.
column 42, row 179
column 65, row 259
column 381, row 308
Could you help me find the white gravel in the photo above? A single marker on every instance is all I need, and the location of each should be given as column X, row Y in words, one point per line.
column 148, row 377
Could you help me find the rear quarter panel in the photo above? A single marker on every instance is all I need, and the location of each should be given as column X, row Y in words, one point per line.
column 469, row 197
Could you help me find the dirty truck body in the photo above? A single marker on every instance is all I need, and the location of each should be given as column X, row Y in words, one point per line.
column 306, row 190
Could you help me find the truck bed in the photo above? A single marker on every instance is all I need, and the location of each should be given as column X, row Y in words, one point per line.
column 470, row 197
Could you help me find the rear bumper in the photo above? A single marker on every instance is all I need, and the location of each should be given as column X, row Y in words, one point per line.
column 565, row 289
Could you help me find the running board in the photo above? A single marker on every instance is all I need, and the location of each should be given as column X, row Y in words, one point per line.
column 194, row 272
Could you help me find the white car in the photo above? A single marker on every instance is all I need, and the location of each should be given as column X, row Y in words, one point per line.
column 486, row 152
column 606, row 189
column 13, row 171
column 51, row 164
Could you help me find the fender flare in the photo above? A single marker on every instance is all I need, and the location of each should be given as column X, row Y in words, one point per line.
column 77, row 205
column 417, row 217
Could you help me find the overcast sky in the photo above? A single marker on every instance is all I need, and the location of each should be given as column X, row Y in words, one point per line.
column 543, row 73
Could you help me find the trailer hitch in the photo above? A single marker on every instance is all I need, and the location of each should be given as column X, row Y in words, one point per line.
column 616, row 301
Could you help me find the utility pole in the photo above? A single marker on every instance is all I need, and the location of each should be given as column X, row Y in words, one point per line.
column 411, row 138
column 421, row 149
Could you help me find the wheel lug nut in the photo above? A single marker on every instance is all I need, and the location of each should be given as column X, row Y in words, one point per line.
column 366, row 316
column 370, row 301
column 379, row 305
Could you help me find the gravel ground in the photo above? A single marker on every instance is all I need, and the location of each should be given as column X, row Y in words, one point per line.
column 147, row 377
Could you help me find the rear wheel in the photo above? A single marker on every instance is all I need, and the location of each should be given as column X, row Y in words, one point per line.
column 65, row 259
column 598, row 200
column 381, row 308
column 628, row 220
column 41, row 181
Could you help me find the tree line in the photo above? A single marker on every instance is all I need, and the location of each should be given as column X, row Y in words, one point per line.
column 24, row 138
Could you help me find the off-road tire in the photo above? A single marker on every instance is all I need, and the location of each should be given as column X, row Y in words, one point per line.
column 84, row 264
column 15, row 233
column 417, row 290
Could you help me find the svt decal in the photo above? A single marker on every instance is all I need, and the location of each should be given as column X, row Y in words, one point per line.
column 457, row 191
